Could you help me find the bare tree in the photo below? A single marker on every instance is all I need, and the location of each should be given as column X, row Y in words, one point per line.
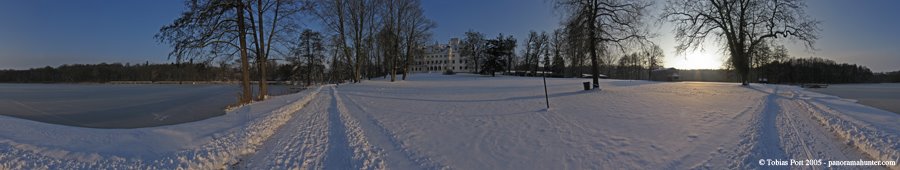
column 418, row 31
column 387, row 43
column 211, row 28
column 404, row 27
column 555, row 48
column 526, row 52
column 270, row 20
column 535, row 47
column 654, row 56
column 631, row 66
column 762, row 54
column 389, row 36
column 575, row 46
column 742, row 24
column 312, row 48
column 780, row 53
column 606, row 22
column 352, row 21
column 473, row 46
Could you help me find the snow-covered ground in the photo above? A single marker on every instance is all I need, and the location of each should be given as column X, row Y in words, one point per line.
column 467, row 121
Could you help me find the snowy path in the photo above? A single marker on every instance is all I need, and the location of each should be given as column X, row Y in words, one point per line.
column 806, row 137
column 301, row 143
column 786, row 129
column 320, row 136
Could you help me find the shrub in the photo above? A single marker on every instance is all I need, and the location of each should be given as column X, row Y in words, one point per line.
column 449, row 72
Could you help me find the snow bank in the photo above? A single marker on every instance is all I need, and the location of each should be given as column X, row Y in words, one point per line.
column 208, row 144
column 875, row 132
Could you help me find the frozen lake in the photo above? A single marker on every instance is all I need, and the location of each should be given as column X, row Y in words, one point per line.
column 885, row 96
column 118, row 105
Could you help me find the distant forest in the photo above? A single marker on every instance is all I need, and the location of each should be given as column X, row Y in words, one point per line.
column 798, row 70
column 792, row 70
column 104, row 72
column 788, row 70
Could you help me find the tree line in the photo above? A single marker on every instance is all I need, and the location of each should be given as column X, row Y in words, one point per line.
column 146, row 72
column 775, row 65
column 594, row 30
column 610, row 37
column 814, row 70
column 892, row 77
column 360, row 39
column 103, row 72
column 558, row 54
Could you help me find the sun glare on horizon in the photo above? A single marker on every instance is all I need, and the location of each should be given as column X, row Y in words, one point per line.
column 696, row 59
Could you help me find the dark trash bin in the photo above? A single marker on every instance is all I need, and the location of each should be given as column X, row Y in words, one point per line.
column 587, row 85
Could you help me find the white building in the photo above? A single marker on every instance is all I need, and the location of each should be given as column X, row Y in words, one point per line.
column 442, row 57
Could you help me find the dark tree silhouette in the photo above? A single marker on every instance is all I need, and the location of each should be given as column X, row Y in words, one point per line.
column 606, row 22
column 473, row 46
column 417, row 30
column 654, row 56
column 211, row 28
column 742, row 24
column 496, row 50
column 312, row 48
column 556, row 47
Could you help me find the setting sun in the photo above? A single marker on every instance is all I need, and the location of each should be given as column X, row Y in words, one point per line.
column 696, row 59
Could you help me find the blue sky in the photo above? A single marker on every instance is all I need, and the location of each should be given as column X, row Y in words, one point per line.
column 37, row 33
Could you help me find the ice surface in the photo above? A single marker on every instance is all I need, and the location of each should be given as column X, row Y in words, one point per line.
column 117, row 105
column 883, row 95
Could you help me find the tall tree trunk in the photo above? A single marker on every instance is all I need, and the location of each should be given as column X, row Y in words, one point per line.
column 593, row 47
column 409, row 55
column 309, row 62
column 476, row 63
column 343, row 36
column 261, row 58
column 247, row 94
column 509, row 64
column 393, row 66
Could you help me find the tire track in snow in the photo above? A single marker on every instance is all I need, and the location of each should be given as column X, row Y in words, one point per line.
column 301, row 143
column 836, row 146
column 339, row 154
column 397, row 155
column 790, row 122
column 761, row 140
column 780, row 133
column 810, row 139
column 364, row 155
